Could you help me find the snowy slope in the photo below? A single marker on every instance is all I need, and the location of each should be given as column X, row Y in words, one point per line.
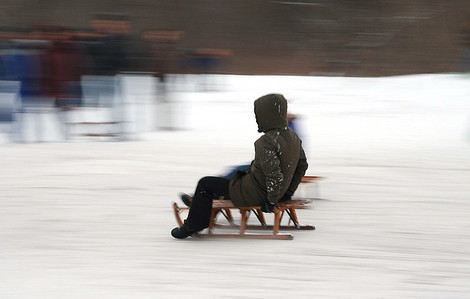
column 91, row 219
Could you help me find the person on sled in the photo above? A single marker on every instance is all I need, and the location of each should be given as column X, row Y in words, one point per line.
column 274, row 175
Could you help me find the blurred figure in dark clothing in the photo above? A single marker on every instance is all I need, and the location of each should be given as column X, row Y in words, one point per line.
column 163, row 50
column 112, row 51
column 111, row 55
column 465, row 52
column 64, row 67
column 162, row 46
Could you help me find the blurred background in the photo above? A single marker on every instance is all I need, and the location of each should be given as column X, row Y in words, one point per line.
column 353, row 38
column 58, row 56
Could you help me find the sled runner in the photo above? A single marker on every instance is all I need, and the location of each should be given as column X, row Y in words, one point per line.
column 224, row 207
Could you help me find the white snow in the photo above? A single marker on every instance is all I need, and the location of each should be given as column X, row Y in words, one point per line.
column 92, row 219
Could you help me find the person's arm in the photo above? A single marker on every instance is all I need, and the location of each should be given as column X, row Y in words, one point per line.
column 299, row 173
column 271, row 165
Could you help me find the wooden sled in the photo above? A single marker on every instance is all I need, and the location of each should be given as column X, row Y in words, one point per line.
column 224, row 207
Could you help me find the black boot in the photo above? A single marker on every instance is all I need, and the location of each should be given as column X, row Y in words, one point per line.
column 182, row 232
column 187, row 199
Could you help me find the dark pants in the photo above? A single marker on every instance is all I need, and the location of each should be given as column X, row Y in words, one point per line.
column 208, row 188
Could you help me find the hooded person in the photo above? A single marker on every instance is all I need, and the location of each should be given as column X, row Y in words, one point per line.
column 274, row 174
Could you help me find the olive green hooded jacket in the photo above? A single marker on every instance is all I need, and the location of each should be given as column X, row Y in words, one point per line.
column 279, row 162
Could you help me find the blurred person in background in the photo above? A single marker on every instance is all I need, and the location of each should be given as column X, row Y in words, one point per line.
column 24, row 63
column 161, row 54
column 162, row 45
column 110, row 55
column 9, row 84
column 291, row 119
column 274, row 175
column 465, row 42
column 111, row 51
column 65, row 62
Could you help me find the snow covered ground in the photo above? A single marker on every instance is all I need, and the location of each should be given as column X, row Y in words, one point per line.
column 92, row 219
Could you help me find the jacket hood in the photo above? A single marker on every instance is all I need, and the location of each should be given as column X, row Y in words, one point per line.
column 271, row 112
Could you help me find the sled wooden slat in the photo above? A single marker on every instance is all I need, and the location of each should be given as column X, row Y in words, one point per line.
column 298, row 203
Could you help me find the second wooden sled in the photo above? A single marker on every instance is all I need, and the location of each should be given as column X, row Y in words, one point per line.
column 224, row 207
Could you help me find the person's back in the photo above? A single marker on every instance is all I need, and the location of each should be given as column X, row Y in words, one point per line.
column 285, row 145
column 280, row 161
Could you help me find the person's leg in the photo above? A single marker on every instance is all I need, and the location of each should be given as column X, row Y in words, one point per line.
column 208, row 188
